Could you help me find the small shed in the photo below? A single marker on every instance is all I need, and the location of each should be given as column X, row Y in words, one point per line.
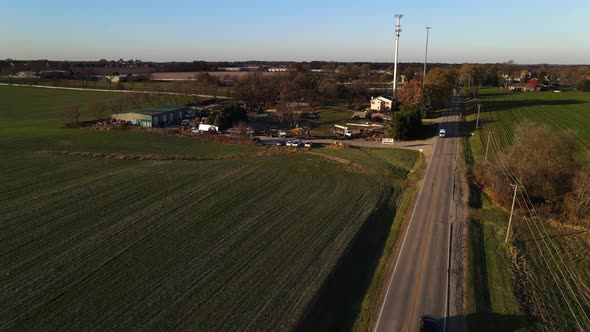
column 361, row 115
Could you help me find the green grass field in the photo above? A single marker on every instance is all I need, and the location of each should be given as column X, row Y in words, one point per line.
column 514, row 279
column 328, row 118
column 565, row 111
column 224, row 244
column 492, row 301
column 135, row 86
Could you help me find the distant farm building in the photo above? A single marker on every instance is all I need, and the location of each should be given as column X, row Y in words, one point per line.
column 26, row 74
column 126, row 77
column 361, row 115
column 278, row 69
column 54, row 74
column 381, row 103
column 294, row 104
column 526, row 87
column 154, row 117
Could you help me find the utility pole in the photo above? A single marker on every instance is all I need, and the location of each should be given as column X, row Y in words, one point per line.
column 477, row 121
column 425, row 56
column 515, row 186
column 398, row 30
column 488, row 145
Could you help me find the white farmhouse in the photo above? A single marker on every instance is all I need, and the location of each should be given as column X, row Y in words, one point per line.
column 381, row 103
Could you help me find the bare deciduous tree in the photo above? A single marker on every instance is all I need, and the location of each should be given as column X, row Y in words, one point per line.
column 72, row 115
column 97, row 110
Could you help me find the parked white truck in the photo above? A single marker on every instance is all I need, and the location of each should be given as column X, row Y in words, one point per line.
column 204, row 128
column 343, row 131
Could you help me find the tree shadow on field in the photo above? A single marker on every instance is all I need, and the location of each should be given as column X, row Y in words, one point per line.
column 339, row 301
column 484, row 319
column 511, row 104
column 428, row 130
column 475, row 200
column 479, row 268
column 488, row 95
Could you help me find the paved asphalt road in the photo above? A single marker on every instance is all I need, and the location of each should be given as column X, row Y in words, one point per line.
column 419, row 284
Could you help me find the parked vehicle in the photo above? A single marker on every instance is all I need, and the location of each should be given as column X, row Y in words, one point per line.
column 195, row 129
column 185, row 122
column 280, row 143
column 297, row 143
column 343, row 131
column 282, row 133
column 289, row 143
column 208, row 128
column 429, row 324
column 308, row 144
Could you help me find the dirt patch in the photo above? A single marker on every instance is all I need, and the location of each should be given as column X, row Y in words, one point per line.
column 225, row 139
column 350, row 166
column 270, row 152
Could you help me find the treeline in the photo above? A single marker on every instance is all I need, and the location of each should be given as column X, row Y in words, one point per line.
column 417, row 100
column 484, row 74
column 301, row 85
column 227, row 116
column 471, row 75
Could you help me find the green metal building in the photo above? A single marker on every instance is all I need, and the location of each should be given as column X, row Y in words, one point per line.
column 155, row 116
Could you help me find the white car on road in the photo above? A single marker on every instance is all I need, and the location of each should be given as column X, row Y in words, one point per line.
column 442, row 133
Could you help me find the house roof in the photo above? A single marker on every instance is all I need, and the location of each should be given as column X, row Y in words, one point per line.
column 157, row 110
column 385, row 98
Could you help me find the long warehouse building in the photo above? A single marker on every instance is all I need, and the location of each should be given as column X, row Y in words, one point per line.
column 155, row 116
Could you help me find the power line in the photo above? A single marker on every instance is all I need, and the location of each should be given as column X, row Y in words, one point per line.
column 513, row 178
column 571, row 275
column 550, row 270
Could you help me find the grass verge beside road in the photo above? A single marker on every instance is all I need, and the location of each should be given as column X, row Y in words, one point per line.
column 491, row 301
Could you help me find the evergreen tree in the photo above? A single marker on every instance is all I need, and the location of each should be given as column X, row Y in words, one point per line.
column 405, row 123
column 426, row 106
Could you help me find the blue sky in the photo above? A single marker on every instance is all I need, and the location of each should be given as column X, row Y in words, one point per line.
column 463, row 31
